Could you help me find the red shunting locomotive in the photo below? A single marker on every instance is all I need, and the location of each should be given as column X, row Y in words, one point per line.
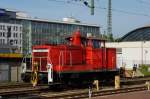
column 82, row 59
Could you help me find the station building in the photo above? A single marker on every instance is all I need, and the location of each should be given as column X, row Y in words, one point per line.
column 133, row 48
column 11, row 36
column 37, row 31
column 19, row 32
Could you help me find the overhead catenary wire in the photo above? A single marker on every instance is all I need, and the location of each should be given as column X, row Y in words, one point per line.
column 143, row 2
column 102, row 8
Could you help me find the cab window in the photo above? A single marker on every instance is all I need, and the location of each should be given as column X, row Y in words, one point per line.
column 96, row 44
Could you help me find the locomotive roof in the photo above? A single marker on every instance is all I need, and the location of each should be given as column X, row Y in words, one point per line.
column 88, row 38
column 96, row 38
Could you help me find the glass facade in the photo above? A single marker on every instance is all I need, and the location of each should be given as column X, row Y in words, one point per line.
column 37, row 31
column 55, row 33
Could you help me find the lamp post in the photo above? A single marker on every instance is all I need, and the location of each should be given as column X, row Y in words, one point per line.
column 142, row 42
column 141, row 52
column 145, row 56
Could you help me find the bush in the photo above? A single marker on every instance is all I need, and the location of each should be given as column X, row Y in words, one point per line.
column 144, row 70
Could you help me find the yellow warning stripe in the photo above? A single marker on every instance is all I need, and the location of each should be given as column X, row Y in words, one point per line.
column 11, row 55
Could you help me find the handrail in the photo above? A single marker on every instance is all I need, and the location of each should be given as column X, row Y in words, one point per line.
column 61, row 61
column 70, row 58
column 61, row 58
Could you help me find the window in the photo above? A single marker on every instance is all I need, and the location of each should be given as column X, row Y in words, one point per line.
column 96, row 44
column 9, row 31
column 3, row 41
column 3, row 27
column 20, row 28
column 20, row 35
column 16, row 34
column 20, row 41
column 0, row 27
column 15, row 41
column 3, row 34
column 0, row 34
column 16, row 28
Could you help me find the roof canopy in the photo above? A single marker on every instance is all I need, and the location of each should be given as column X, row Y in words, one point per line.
column 140, row 34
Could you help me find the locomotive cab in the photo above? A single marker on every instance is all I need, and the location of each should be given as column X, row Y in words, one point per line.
column 95, row 43
column 78, row 40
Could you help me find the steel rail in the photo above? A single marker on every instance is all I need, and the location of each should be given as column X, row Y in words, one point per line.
column 15, row 85
column 23, row 90
column 79, row 95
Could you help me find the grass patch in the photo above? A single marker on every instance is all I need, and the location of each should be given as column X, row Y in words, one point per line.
column 145, row 70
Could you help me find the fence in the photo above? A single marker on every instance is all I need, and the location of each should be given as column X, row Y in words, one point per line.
column 129, row 63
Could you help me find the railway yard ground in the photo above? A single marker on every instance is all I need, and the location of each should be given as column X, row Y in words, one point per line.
column 130, row 88
column 131, row 95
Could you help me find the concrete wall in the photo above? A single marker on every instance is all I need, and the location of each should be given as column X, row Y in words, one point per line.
column 15, row 74
column 4, row 72
column 132, row 53
column 10, row 71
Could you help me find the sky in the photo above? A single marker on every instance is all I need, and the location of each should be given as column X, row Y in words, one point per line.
column 127, row 15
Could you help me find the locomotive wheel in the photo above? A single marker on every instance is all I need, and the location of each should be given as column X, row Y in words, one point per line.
column 34, row 78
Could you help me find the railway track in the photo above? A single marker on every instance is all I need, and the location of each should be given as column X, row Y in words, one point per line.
column 23, row 90
column 14, row 85
column 26, row 88
column 12, row 89
column 85, row 94
column 123, row 81
column 41, row 92
column 18, row 85
column 136, row 80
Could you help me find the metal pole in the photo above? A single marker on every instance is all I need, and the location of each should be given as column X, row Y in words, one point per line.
column 109, row 21
column 92, row 7
column 17, row 74
column 142, row 49
column 90, row 92
column 141, row 52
